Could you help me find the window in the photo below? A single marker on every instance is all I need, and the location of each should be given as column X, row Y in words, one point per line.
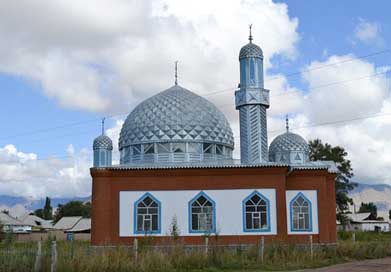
column 136, row 149
column 219, row 150
column 252, row 71
column 179, row 147
column 300, row 208
column 256, row 213
column 147, row 215
column 202, row 214
column 208, row 148
column 149, row 148
column 163, row 148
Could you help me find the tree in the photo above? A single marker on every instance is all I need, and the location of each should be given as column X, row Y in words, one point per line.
column 389, row 214
column 47, row 210
column 326, row 152
column 73, row 208
column 369, row 208
column 39, row 213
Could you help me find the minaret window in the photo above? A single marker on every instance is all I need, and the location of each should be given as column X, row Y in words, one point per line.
column 252, row 71
column 147, row 215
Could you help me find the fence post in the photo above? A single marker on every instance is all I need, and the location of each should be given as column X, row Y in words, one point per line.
column 354, row 237
column 37, row 264
column 261, row 249
column 311, row 247
column 206, row 245
column 54, row 257
column 135, row 250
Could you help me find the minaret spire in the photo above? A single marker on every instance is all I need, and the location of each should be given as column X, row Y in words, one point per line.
column 287, row 123
column 250, row 37
column 176, row 72
column 103, row 125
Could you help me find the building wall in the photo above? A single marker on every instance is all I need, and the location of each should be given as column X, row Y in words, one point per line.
column 108, row 185
column 229, row 210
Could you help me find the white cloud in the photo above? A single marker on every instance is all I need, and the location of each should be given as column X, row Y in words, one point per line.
column 366, row 140
column 367, row 32
column 95, row 51
column 24, row 174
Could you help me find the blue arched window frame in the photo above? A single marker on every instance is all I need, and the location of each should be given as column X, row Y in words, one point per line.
column 245, row 229
column 309, row 229
column 159, row 206
column 190, row 222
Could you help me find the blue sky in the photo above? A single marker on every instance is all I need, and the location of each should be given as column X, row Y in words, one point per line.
column 56, row 83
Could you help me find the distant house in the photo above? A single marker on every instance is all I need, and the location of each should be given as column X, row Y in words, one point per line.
column 36, row 222
column 362, row 222
column 11, row 224
column 74, row 224
column 83, row 226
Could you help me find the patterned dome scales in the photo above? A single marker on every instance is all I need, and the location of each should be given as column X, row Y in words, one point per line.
column 176, row 115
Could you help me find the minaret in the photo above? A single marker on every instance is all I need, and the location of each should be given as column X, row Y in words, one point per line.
column 103, row 148
column 252, row 100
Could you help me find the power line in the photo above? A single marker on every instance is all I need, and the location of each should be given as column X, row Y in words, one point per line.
column 274, row 131
column 28, row 133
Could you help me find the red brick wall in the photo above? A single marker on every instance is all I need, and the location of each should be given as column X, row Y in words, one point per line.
column 107, row 184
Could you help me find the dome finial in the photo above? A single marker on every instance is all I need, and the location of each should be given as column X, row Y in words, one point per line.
column 176, row 72
column 103, row 125
column 250, row 38
column 287, row 123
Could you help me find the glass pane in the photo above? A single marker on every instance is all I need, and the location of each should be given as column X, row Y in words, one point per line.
column 147, row 225
column 152, row 210
column 149, row 148
column 178, row 147
column 255, row 199
column 136, row 149
column 202, row 200
column 248, row 221
column 155, row 222
column 250, row 208
column 219, row 150
column 140, row 223
column 264, row 222
column 256, row 223
column 147, row 200
column 195, row 209
column 208, row 148
column 142, row 210
column 194, row 222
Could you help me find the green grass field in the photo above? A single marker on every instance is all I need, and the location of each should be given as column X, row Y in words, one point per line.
column 79, row 256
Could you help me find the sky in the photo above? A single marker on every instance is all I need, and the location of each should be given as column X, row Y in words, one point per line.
column 65, row 64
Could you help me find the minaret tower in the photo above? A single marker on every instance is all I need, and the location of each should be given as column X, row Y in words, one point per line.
column 252, row 100
column 103, row 148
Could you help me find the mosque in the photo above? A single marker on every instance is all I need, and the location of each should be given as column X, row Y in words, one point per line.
column 177, row 167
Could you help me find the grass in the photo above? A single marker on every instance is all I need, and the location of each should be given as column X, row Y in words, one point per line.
column 79, row 256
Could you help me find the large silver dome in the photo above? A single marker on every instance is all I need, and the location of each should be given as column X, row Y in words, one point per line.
column 175, row 125
column 289, row 148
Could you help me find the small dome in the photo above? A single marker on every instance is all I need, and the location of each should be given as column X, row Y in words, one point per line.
column 103, row 142
column 290, row 148
column 250, row 50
